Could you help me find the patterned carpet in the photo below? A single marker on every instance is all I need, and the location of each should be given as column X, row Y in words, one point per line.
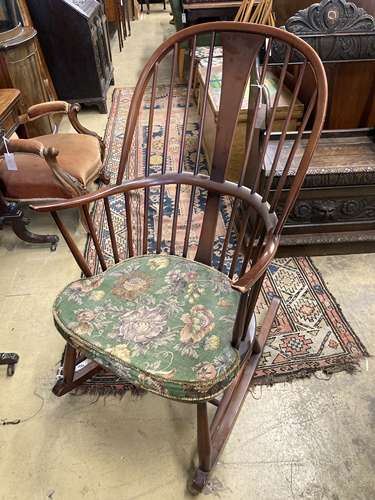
column 310, row 333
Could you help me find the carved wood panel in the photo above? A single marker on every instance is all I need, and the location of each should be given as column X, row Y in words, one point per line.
column 337, row 29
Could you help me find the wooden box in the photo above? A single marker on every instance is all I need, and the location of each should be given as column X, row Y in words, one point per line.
column 238, row 149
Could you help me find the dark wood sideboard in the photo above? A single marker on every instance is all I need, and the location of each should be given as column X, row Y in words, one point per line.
column 74, row 38
column 335, row 212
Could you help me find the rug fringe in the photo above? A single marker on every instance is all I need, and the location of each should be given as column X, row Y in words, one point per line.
column 352, row 368
column 116, row 390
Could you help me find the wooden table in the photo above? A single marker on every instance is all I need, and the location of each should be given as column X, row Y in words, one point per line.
column 201, row 11
column 10, row 212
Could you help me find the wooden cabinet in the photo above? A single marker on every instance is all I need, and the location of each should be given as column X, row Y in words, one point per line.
column 20, row 68
column 74, row 38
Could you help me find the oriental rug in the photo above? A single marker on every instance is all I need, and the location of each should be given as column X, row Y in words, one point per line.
column 310, row 333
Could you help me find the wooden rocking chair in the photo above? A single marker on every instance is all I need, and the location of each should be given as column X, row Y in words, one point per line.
column 171, row 312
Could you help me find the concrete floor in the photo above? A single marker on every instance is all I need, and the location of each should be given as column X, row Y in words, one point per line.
column 311, row 439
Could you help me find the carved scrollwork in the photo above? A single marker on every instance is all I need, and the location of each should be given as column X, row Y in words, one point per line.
column 331, row 211
column 336, row 29
column 331, row 16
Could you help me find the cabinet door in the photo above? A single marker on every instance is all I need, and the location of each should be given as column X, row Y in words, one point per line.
column 101, row 47
column 24, row 70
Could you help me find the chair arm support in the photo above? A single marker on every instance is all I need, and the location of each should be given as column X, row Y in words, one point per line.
column 78, row 127
column 249, row 279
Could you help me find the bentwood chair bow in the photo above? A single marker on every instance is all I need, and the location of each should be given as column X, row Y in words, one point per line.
column 173, row 309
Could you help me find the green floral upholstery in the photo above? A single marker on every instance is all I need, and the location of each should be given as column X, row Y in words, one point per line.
column 163, row 322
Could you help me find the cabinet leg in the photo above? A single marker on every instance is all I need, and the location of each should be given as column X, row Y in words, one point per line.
column 102, row 107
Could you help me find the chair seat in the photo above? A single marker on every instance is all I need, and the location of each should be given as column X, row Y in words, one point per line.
column 79, row 155
column 162, row 322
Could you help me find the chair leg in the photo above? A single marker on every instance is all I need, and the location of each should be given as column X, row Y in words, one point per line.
column 119, row 26
column 181, row 63
column 127, row 14
column 104, row 177
column 211, row 442
column 204, row 450
column 123, row 20
column 71, row 377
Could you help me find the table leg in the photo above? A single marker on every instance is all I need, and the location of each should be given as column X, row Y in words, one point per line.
column 12, row 215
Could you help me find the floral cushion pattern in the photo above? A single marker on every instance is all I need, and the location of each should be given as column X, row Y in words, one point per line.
column 163, row 322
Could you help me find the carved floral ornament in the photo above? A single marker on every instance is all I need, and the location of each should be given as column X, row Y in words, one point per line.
column 337, row 29
column 331, row 16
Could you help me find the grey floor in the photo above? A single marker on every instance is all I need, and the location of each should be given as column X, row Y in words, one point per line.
column 310, row 439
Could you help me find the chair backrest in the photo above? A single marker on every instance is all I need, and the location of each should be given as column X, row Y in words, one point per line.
column 207, row 219
column 247, row 72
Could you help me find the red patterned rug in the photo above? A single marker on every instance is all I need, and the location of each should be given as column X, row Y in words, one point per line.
column 310, row 333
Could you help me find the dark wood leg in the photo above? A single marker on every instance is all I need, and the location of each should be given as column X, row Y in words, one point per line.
column 211, row 444
column 119, row 28
column 72, row 375
column 12, row 215
column 123, row 21
column 10, row 359
column 104, row 178
column 127, row 14
column 133, row 9
column 204, row 449
column 102, row 106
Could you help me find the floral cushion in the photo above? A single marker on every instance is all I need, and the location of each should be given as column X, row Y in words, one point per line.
column 163, row 322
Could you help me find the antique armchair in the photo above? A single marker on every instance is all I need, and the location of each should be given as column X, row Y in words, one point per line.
column 53, row 166
column 172, row 308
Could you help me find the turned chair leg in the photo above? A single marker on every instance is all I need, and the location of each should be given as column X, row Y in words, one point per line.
column 204, row 450
column 204, row 438
column 212, row 438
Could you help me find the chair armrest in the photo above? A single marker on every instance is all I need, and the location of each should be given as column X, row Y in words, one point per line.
column 44, row 109
column 31, row 146
column 78, row 127
column 249, row 279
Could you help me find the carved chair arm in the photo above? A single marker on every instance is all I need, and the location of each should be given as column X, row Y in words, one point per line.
column 249, row 279
column 44, row 109
column 60, row 107
column 32, row 146
column 78, row 127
